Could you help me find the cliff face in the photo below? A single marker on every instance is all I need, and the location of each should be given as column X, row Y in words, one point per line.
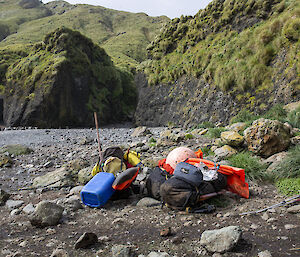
column 62, row 81
column 231, row 56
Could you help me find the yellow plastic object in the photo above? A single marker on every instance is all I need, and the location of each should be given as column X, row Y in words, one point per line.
column 132, row 157
column 113, row 165
column 96, row 169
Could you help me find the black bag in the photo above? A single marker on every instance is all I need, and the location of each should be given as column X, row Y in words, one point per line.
column 189, row 173
column 156, row 178
column 179, row 194
column 114, row 151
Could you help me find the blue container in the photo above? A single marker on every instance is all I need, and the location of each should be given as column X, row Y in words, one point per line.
column 98, row 190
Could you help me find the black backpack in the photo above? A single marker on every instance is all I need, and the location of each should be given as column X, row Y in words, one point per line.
column 179, row 194
column 114, row 151
column 156, row 178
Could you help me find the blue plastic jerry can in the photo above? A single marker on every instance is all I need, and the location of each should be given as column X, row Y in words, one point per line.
column 98, row 190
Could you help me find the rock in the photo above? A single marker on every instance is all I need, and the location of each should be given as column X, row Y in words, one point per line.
column 166, row 232
column 86, row 140
column 76, row 190
column 199, row 132
column 265, row 216
column 237, row 127
column 140, row 132
column 86, row 240
column 292, row 106
column 5, row 160
column 264, row 254
column 158, row 254
column 267, row 137
column 278, row 157
column 290, row 226
column 48, row 164
column 232, row 138
column 59, row 253
column 294, row 209
column 29, row 208
column 3, row 197
column 16, row 149
column 85, row 175
column 295, row 140
column 275, row 159
column 13, row 204
column 15, row 212
column 225, row 151
column 57, row 178
column 72, row 204
column 148, row 202
column 221, row 240
column 122, row 251
column 46, row 214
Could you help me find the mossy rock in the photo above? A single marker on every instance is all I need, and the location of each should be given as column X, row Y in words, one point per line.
column 16, row 149
column 5, row 160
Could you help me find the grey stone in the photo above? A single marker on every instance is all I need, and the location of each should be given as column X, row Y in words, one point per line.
column 48, row 164
column 3, row 197
column 225, row 151
column 122, row 251
column 29, row 208
column 76, row 190
column 294, row 209
column 59, row 253
column 290, row 226
column 13, row 204
column 148, row 202
column 86, row 140
column 59, row 177
column 140, row 132
column 46, row 214
column 158, row 254
column 15, row 212
column 221, row 240
column 264, row 254
column 85, row 175
column 86, row 240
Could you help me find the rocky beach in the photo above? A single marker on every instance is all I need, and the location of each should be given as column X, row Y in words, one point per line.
column 136, row 225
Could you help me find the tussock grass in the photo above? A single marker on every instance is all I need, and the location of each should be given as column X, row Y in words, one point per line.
column 254, row 169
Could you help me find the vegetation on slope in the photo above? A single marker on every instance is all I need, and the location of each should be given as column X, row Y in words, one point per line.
column 123, row 35
column 63, row 80
column 14, row 13
column 232, row 44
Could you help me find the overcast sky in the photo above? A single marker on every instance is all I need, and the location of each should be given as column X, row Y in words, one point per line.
column 170, row 8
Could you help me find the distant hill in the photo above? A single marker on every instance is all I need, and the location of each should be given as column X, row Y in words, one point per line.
column 234, row 54
column 62, row 81
column 123, row 35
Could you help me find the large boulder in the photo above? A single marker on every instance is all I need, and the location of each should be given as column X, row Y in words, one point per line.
column 266, row 137
column 221, row 240
column 46, row 214
column 62, row 81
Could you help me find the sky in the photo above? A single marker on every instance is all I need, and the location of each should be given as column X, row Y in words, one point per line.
column 170, row 8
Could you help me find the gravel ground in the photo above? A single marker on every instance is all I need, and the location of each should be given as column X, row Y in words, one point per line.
column 122, row 221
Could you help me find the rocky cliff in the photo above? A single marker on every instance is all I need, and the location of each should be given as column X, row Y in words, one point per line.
column 62, row 81
column 232, row 55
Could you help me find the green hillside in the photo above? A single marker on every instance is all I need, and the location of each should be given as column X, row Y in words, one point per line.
column 15, row 13
column 123, row 35
column 239, row 46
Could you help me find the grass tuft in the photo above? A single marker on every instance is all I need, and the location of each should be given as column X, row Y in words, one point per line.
column 254, row 169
